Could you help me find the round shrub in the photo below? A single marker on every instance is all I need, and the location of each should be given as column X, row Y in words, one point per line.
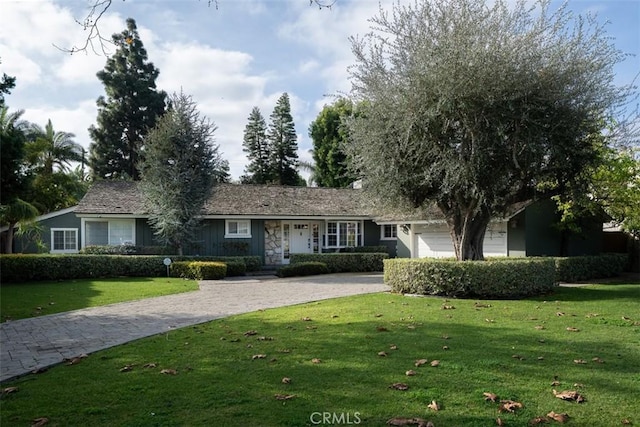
column 308, row 268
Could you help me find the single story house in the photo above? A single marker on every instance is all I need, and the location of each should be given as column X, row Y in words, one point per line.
column 275, row 221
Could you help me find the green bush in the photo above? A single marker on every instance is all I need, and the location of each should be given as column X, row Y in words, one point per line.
column 345, row 262
column 499, row 279
column 199, row 270
column 127, row 250
column 365, row 249
column 579, row 268
column 235, row 268
column 308, row 268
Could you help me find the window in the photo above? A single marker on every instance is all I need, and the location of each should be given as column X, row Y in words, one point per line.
column 343, row 234
column 388, row 232
column 112, row 232
column 64, row 240
column 235, row 228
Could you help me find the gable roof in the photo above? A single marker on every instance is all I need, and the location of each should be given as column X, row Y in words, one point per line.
column 124, row 198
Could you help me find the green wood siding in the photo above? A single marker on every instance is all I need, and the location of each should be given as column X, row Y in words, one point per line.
column 67, row 220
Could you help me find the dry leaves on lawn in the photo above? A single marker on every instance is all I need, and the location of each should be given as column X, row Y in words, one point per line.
column 306, row 319
column 150, row 365
column 286, row 380
column 572, row 329
column 258, row 356
column 393, row 347
column 401, row 422
column 435, row 363
column 127, row 368
column 569, row 395
column 538, row 420
column 399, row 386
column 433, row 406
column 420, row 362
column 382, row 354
column 509, row 406
column 579, row 361
column 597, row 360
column 448, row 307
column 250, row 333
column 316, row 360
column 39, row 422
column 9, row 390
column 284, row 396
column 169, row 372
column 561, row 418
column 410, row 373
column 490, row 396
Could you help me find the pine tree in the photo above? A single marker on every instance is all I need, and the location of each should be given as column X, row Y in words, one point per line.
column 129, row 111
column 256, row 145
column 180, row 166
column 283, row 144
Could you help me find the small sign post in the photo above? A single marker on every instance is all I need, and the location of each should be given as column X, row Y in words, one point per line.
column 167, row 262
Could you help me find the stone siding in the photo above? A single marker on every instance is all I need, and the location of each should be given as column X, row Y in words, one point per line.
column 272, row 242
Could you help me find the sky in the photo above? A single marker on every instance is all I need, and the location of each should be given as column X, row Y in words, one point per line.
column 229, row 58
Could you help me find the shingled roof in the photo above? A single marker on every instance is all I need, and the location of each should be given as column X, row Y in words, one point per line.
column 124, row 197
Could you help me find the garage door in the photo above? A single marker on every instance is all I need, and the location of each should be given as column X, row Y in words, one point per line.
column 436, row 243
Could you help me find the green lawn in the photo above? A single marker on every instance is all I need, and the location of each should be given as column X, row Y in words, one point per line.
column 514, row 349
column 22, row 300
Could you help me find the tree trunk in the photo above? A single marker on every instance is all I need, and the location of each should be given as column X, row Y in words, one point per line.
column 8, row 244
column 467, row 229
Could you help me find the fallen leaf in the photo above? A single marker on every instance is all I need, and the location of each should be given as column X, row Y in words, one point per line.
column 559, row 314
column 561, row 418
column 539, row 327
column 489, row 320
column 445, row 337
column 400, row 422
column 9, row 390
column 411, row 327
column 555, row 383
column 249, row 333
column 410, row 373
column 286, row 380
column 316, row 361
column 445, row 347
column 597, row 360
column 399, row 386
column 258, row 356
column 499, row 421
column 420, row 362
column 448, row 307
column 433, row 406
column 306, row 319
column 578, row 385
column 490, row 396
column 393, row 347
column 169, row 372
column 333, row 316
column 540, row 357
column 284, row 396
column 74, row 361
column 579, row 361
column 590, row 315
column 572, row 329
column 378, row 315
column 480, row 305
column 39, row 370
column 509, row 406
column 39, row 422
column 569, row 395
column 382, row 354
column 435, row 363
column 625, row 318
column 517, row 356
column 626, row 422
column 265, row 338
column 126, row 368
column 150, row 365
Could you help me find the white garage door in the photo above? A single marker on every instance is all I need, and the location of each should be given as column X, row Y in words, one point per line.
column 435, row 242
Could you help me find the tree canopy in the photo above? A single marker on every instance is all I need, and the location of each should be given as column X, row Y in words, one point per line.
column 256, row 145
column 471, row 107
column 329, row 134
column 283, row 144
column 179, row 168
column 130, row 110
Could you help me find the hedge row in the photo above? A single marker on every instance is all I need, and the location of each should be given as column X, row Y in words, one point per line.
column 309, row 268
column 500, row 279
column 127, row 250
column 573, row 269
column 345, row 262
column 199, row 270
column 28, row 267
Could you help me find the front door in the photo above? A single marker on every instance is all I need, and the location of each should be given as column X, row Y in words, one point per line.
column 300, row 238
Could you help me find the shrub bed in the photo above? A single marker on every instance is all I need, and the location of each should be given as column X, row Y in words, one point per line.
column 199, row 270
column 500, row 279
column 345, row 262
column 33, row 267
column 572, row 269
column 308, row 268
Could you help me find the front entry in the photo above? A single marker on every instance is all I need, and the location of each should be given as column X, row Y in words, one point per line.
column 300, row 238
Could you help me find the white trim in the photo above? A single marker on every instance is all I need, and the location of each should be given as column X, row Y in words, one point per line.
column 43, row 217
column 359, row 234
column 288, row 217
column 382, row 236
column 64, row 251
column 108, row 220
column 228, row 235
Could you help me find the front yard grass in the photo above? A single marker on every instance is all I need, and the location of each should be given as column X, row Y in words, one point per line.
column 23, row 300
column 228, row 372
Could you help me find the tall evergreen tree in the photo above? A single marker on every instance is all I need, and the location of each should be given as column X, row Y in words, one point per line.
column 178, row 171
column 283, row 144
column 130, row 110
column 256, row 145
column 329, row 134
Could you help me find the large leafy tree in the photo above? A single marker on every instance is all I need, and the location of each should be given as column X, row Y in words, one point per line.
column 178, row 171
column 471, row 106
column 6, row 84
column 329, row 134
column 129, row 111
column 283, row 144
column 256, row 145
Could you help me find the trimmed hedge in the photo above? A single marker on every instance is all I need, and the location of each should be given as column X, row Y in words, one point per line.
column 127, row 250
column 365, row 249
column 500, row 279
column 573, row 269
column 199, row 270
column 345, row 262
column 34, row 267
column 308, row 268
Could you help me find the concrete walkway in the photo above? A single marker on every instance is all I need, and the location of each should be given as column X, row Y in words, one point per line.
column 30, row 344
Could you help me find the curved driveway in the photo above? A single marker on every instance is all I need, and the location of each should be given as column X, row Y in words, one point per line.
column 30, row 344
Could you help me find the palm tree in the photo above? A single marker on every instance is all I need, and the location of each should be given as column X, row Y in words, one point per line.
column 47, row 149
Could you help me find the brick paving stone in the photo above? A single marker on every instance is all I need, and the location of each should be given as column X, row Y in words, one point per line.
column 38, row 342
